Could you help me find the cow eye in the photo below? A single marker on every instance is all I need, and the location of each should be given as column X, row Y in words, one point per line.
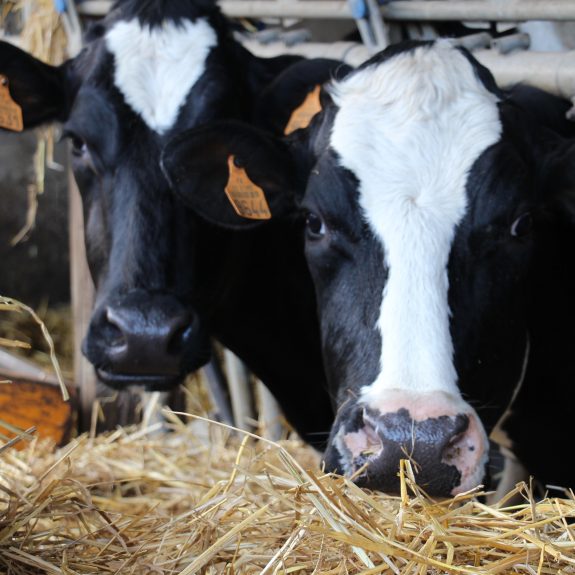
column 522, row 226
column 314, row 226
column 79, row 147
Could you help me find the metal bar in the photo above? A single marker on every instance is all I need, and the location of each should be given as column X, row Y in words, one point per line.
column 377, row 25
column 551, row 71
column 94, row 8
column 240, row 391
column 477, row 10
column 218, row 389
column 72, row 28
column 364, row 30
column 474, row 41
column 412, row 10
column 480, row 10
column 507, row 44
column 270, row 413
column 329, row 9
column 351, row 53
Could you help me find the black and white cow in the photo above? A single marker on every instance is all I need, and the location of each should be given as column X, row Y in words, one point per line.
column 440, row 240
column 166, row 280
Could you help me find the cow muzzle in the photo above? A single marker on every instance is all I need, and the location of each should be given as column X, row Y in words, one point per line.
column 145, row 339
column 442, row 437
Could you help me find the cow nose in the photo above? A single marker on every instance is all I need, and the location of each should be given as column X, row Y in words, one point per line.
column 448, row 452
column 147, row 342
column 143, row 338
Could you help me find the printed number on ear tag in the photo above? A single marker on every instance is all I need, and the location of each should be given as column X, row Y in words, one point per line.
column 247, row 199
column 10, row 112
column 303, row 114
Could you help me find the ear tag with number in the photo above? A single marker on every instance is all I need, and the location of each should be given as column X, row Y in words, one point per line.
column 247, row 199
column 303, row 114
column 10, row 112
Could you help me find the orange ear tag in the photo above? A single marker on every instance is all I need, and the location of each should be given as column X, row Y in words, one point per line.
column 10, row 112
column 303, row 114
column 247, row 199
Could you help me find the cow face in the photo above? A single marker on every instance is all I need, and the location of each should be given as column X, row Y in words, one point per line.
column 424, row 201
column 147, row 72
column 406, row 132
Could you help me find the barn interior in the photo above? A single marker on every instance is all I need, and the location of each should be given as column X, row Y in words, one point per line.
column 210, row 478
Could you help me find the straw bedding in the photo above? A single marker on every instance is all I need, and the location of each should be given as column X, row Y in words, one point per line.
column 200, row 499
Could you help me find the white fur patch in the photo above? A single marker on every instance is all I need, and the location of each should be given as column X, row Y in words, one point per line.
column 157, row 67
column 410, row 130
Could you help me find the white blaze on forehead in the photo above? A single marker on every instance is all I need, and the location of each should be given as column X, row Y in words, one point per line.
column 410, row 130
column 155, row 68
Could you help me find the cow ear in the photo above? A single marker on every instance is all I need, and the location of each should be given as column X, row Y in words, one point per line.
column 233, row 175
column 296, row 95
column 38, row 90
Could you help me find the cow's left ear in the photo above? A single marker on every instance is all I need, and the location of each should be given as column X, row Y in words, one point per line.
column 233, row 175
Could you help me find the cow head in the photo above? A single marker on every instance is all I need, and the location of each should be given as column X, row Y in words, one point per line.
column 424, row 192
column 148, row 71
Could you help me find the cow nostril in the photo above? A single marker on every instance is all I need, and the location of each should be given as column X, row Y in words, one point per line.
column 461, row 448
column 111, row 332
column 178, row 339
column 371, row 434
column 363, row 444
column 182, row 329
column 453, row 450
column 372, row 448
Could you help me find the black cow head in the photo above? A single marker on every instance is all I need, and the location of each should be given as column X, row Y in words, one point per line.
column 438, row 212
column 148, row 71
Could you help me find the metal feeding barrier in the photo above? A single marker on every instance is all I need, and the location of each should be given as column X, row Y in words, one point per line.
column 393, row 11
column 509, row 57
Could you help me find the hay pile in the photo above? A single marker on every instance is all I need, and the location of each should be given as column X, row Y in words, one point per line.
column 200, row 500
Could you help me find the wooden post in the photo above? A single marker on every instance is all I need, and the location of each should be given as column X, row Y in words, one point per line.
column 82, row 294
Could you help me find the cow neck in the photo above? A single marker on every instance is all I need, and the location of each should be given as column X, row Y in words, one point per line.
column 264, row 315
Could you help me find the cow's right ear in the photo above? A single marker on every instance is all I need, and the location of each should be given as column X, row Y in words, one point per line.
column 38, row 89
column 233, row 175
